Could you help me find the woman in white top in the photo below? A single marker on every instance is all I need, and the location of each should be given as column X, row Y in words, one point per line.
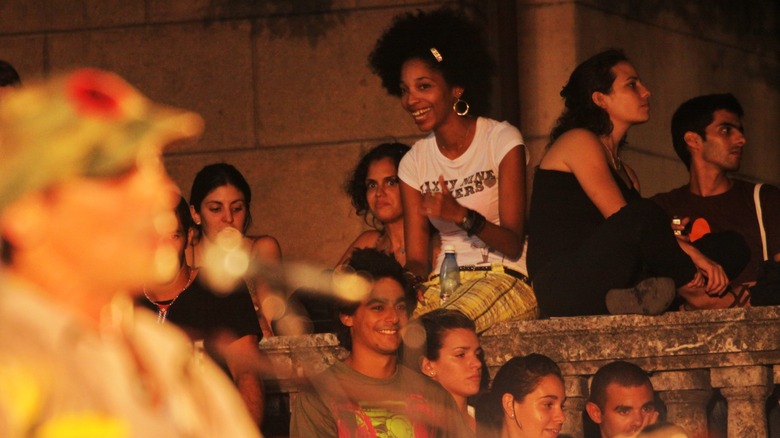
column 467, row 177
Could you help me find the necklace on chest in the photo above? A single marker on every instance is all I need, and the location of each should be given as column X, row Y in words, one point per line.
column 615, row 160
column 163, row 306
column 462, row 144
column 384, row 244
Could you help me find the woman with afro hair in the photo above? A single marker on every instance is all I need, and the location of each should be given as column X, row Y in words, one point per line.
column 467, row 176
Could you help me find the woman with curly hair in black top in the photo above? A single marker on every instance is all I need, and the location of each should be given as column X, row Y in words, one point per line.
column 373, row 189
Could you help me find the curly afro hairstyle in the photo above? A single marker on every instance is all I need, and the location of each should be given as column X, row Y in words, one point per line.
column 465, row 61
column 356, row 184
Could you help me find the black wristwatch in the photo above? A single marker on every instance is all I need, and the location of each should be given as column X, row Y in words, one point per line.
column 468, row 219
column 473, row 222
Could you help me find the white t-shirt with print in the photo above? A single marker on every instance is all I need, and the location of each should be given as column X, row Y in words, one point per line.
column 472, row 179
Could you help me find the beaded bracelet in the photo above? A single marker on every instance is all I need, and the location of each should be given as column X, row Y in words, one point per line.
column 413, row 280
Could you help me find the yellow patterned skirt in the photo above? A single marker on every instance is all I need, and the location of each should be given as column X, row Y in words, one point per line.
column 488, row 295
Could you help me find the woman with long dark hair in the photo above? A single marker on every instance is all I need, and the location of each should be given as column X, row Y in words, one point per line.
column 220, row 199
column 525, row 400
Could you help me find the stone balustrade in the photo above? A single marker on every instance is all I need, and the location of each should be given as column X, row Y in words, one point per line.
column 690, row 355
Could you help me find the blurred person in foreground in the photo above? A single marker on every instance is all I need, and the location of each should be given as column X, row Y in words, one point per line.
column 84, row 200
column 663, row 429
column 9, row 78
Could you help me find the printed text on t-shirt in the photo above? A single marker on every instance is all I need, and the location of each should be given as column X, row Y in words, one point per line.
column 468, row 186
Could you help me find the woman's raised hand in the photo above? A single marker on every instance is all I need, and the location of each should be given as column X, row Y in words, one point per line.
column 441, row 205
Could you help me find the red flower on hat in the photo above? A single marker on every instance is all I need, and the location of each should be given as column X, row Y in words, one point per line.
column 97, row 93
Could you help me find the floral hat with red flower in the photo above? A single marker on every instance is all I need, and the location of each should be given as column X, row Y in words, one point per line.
column 87, row 123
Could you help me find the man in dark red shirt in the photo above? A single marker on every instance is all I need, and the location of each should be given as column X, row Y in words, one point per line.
column 708, row 136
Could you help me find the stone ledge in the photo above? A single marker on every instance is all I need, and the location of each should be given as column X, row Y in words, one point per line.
column 689, row 353
column 580, row 345
column 741, row 376
column 675, row 340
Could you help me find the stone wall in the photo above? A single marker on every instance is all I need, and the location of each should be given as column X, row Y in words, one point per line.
column 680, row 49
column 288, row 98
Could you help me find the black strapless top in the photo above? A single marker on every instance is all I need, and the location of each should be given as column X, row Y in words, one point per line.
column 562, row 216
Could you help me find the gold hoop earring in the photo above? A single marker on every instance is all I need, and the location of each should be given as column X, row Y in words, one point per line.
column 455, row 107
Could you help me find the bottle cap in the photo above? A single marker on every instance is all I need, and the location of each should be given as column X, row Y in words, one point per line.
column 449, row 248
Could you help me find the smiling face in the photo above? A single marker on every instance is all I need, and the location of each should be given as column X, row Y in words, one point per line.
column 458, row 368
column 628, row 102
column 625, row 411
column 376, row 325
column 223, row 207
column 540, row 414
column 382, row 191
column 725, row 140
column 426, row 95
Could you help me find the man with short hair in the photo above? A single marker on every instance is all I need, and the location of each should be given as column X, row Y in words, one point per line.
column 621, row 400
column 708, row 136
column 84, row 202
column 370, row 394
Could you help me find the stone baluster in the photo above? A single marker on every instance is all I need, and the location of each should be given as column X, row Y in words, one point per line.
column 576, row 397
column 745, row 389
column 685, row 394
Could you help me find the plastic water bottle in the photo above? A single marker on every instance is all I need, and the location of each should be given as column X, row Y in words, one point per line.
column 449, row 275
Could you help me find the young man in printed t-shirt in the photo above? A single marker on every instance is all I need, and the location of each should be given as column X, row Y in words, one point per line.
column 370, row 394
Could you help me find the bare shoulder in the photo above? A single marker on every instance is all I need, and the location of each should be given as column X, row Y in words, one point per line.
column 572, row 146
column 577, row 140
column 366, row 239
column 264, row 247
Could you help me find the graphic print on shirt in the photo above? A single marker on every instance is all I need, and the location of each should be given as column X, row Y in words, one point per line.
column 468, row 186
column 385, row 419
